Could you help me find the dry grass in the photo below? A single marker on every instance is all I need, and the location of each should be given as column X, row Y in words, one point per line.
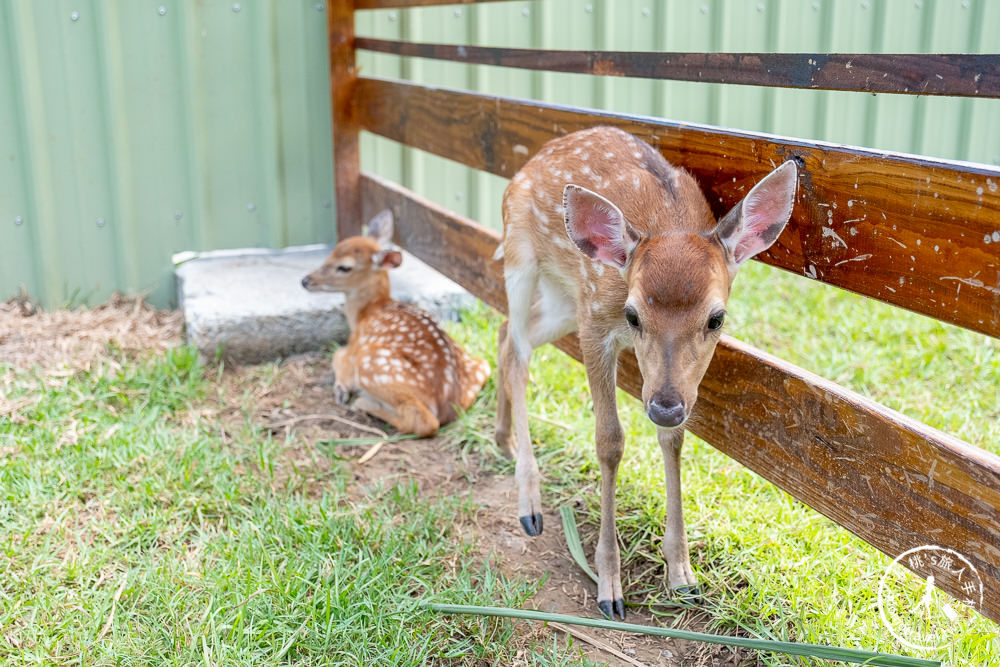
column 73, row 339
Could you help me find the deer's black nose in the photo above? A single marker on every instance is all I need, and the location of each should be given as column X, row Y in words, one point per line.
column 667, row 416
column 305, row 282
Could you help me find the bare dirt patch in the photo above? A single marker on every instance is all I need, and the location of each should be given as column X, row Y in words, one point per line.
column 294, row 400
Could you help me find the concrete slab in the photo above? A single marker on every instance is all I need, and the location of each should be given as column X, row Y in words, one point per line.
column 250, row 305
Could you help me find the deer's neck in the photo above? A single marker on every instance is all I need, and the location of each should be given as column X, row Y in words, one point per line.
column 372, row 295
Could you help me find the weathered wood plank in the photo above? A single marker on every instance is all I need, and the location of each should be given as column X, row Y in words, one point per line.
column 956, row 74
column 915, row 232
column 892, row 481
column 387, row 4
column 346, row 133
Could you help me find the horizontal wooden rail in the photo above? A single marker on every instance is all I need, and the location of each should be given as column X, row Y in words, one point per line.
column 962, row 75
column 915, row 232
column 892, row 481
column 392, row 4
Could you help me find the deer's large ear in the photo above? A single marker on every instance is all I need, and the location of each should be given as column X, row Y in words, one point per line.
column 387, row 259
column 597, row 227
column 380, row 228
column 756, row 222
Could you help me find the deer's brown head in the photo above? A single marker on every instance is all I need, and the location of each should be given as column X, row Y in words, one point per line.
column 359, row 261
column 679, row 279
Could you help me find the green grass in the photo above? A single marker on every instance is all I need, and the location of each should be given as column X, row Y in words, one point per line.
column 134, row 532
column 137, row 528
column 774, row 568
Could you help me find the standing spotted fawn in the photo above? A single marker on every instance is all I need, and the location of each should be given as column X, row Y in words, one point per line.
column 402, row 367
column 604, row 237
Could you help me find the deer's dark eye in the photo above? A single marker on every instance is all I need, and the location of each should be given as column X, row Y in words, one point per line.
column 631, row 317
column 716, row 320
column 343, row 268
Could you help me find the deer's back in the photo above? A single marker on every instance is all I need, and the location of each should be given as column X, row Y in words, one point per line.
column 399, row 345
column 655, row 196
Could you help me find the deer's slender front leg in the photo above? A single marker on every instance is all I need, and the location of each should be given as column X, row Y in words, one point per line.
column 600, row 362
column 675, row 546
column 343, row 376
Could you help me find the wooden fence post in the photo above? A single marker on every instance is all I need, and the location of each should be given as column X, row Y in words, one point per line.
column 343, row 75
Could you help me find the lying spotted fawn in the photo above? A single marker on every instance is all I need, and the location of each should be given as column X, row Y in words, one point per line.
column 604, row 237
column 402, row 367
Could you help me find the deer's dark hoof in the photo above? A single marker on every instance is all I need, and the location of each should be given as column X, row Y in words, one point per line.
column 690, row 594
column 532, row 524
column 606, row 608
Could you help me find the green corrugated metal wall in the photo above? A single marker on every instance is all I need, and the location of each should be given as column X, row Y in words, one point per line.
column 132, row 129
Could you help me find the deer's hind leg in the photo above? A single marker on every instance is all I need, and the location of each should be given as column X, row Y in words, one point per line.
column 503, row 433
column 515, row 356
column 406, row 413
column 539, row 313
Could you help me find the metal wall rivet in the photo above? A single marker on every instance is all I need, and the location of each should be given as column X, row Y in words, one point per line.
column 393, row 16
column 458, row 196
column 760, row 6
column 18, row 220
column 458, row 11
column 525, row 12
column 704, row 9
column 251, row 207
column 73, row 16
column 100, row 222
column 328, row 203
column 816, row 5
column 236, row 7
column 645, row 11
column 864, row 4
column 178, row 215
column 162, row 10
column 319, row 6
column 589, row 9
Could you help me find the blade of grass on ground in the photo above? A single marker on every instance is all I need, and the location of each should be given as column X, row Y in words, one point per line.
column 852, row 655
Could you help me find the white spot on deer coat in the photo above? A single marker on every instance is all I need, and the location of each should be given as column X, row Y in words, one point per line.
column 537, row 212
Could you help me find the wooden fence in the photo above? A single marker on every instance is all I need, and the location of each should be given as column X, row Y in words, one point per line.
column 921, row 233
